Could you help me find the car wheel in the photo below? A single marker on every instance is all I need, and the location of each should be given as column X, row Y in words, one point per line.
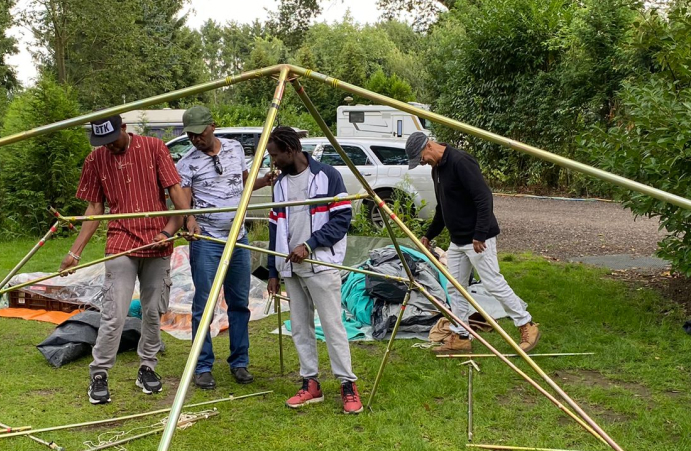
column 373, row 213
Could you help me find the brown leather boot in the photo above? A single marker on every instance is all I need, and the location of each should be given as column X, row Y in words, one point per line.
column 530, row 335
column 454, row 344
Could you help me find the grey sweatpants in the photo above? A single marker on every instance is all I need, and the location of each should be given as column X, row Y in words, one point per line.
column 154, row 287
column 460, row 261
column 323, row 291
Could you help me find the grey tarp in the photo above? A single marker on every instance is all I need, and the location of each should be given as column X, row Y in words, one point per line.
column 75, row 337
column 420, row 313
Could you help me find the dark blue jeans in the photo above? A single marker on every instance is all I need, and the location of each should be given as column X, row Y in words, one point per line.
column 204, row 259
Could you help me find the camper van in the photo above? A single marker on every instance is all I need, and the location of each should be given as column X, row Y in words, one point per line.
column 379, row 121
column 157, row 123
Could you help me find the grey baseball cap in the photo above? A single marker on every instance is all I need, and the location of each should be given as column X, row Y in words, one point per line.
column 413, row 148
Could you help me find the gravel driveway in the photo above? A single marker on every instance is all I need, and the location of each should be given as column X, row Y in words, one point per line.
column 566, row 229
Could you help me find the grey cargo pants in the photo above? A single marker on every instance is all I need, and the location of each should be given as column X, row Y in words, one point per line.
column 154, row 287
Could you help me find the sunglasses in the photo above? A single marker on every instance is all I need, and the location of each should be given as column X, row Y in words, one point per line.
column 217, row 165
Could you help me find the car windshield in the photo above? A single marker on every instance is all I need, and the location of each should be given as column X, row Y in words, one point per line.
column 179, row 148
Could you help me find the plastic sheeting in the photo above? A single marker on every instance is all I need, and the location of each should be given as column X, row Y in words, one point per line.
column 85, row 288
column 178, row 319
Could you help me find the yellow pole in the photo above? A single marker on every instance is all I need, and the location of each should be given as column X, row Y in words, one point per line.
column 497, row 139
column 167, row 97
column 186, row 378
column 386, row 211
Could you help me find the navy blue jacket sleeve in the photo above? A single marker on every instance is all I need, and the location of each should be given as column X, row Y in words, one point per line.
column 339, row 220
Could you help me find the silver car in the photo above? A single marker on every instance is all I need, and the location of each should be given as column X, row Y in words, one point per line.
column 381, row 161
column 247, row 136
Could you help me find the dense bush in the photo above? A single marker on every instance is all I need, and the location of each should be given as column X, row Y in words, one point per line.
column 533, row 71
column 42, row 171
column 650, row 141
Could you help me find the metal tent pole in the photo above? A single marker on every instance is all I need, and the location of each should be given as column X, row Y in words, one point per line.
column 494, row 138
column 186, row 378
column 167, row 97
column 27, row 257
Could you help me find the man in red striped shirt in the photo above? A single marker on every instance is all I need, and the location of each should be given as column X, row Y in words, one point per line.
column 131, row 174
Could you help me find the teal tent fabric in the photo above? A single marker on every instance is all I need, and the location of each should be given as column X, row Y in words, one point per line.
column 357, row 305
column 353, row 329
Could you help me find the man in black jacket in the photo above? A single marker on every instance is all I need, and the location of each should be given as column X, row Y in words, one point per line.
column 464, row 206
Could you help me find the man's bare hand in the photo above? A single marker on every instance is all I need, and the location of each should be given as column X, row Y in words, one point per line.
column 159, row 240
column 193, row 228
column 425, row 242
column 273, row 286
column 479, row 246
column 67, row 263
column 299, row 254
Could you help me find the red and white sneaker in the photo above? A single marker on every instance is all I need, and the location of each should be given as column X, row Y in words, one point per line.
column 310, row 392
column 351, row 398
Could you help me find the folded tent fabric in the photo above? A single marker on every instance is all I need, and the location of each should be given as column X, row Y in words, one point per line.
column 75, row 337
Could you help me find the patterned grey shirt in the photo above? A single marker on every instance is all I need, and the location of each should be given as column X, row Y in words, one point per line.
column 210, row 189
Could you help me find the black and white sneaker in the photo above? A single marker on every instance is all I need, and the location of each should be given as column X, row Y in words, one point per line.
column 98, row 389
column 148, row 380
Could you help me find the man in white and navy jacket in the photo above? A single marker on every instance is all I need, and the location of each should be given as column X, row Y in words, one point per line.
column 317, row 232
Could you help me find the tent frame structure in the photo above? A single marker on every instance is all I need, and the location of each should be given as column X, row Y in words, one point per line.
column 292, row 74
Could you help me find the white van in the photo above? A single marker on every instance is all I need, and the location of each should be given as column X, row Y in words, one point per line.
column 379, row 121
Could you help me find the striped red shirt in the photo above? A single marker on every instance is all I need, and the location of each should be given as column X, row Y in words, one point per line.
column 133, row 182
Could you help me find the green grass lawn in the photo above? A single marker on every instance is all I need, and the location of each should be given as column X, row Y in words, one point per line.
column 636, row 386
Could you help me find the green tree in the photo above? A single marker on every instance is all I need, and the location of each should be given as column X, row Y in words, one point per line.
column 537, row 72
column 42, row 171
column 115, row 51
column 8, row 46
column 391, row 86
column 425, row 12
column 291, row 20
column 650, row 137
column 353, row 53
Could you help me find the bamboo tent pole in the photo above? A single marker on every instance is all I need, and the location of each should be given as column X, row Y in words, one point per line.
column 192, row 211
column 131, row 417
column 486, row 135
column 186, row 378
column 167, row 97
column 84, row 265
column 474, row 356
column 27, row 257
column 389, row 347
column 8, row 429
column 308, row 260
column 470, row 402
column 517, row 448
column 497, row 139
column 51, row 445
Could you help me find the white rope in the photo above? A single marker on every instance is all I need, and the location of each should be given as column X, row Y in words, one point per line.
column 113, row 436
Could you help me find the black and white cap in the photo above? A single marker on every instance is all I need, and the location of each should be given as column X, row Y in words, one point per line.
column 105, row 131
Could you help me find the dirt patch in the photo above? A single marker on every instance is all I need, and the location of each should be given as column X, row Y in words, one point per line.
column 44, row 392
column 566, row 229
column 518, row 395
column 559, row 230
column 171, row 385
column 593, row 378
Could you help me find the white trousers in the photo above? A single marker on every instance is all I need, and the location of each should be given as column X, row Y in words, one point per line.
column 461, row 261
